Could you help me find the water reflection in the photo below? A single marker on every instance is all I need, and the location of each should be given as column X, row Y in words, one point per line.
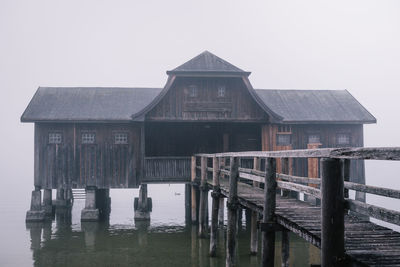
column 67, row 242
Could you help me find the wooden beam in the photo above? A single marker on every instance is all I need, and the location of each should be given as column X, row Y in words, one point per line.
column 231, row 233
column 215, row 208
column 268, row 234
column 332, row 207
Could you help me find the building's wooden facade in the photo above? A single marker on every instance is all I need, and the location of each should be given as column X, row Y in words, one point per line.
column 121, row 137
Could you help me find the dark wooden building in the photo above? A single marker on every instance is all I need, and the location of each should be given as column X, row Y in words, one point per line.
column 122, row 137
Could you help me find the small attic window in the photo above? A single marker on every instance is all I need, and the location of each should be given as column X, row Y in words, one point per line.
column 193, row 91
column 221, row 91
column 88, row 138
column 55, row 138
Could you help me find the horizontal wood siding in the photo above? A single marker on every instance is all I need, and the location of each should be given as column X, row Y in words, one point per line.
column 167, row 169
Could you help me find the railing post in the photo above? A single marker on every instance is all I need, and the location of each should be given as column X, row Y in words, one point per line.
column 203, row 213
column 194, row 190
column 268, row 225
column 332, row 213
column 254, row 216
column 215, row 207
column 232, row 206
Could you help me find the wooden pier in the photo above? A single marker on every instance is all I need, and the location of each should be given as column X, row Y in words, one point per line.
column 336, row 224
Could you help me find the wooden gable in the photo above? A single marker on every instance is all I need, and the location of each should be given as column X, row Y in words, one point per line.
column 207, row 99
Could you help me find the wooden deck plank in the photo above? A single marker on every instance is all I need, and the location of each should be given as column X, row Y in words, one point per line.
column 365, row 242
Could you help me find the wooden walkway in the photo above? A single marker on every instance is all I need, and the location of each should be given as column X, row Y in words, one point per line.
column 350, row 238
column 365, row 242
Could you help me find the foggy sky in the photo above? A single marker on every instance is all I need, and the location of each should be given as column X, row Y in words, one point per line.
column 315, row 44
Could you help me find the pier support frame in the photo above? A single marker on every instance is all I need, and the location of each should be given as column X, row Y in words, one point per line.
column 268, row 224
column 215, row 208
column 254, row 215
column 143, row 208
column 285, row 248
column 332, row 212
column 47, row 202
column 90, row 212
column 232, row 205
column 203, row 210
column 36, row 213
column 194, row 191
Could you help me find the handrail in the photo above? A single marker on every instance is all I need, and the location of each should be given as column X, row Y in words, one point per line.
column 375, row 153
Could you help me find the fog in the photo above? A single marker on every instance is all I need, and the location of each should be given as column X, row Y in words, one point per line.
column 314, row 44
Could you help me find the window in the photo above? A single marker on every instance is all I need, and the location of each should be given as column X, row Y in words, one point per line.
column 343, row 139
column 283, row 139
column 121, row 138
column 193, row 91
column 55, row 138
column 88, row 138
column 221, row 91
column 314, row 139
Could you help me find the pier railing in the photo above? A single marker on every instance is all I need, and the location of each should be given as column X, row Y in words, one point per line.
column 332, row 188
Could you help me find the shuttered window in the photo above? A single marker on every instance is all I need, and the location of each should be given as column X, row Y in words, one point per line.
column 193, row 91
column 221, row 91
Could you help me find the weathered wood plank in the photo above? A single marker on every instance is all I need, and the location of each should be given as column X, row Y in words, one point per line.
column 381, row 191
column 380, row 213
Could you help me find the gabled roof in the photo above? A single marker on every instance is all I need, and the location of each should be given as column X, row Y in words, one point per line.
column 208, row 64
column 315, row 106
column 87, row 103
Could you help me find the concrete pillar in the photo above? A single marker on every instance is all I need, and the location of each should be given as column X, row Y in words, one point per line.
column 142, row 210
column 90, row 212
column 47, row 202
column 36, row 213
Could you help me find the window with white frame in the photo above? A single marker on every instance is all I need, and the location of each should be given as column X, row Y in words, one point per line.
column 221, row 91
column 314, row 139
column 343, row 139
column 55, row 138
column 121, row 138
column 88, row 138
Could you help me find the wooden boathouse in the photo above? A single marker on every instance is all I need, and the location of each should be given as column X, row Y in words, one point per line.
column 210, row 129
column 100, row 138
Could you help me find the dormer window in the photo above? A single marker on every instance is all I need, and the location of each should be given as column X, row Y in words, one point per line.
column 193, row 91
column 221, row 91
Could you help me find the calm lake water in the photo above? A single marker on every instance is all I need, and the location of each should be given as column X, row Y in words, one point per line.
column 164, row 241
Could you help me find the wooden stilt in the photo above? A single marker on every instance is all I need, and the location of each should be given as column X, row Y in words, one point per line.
column 285, row 248
column 332, row 206
column 232, row 205
column 268, row 225
column 221, row 211
column 215, row 207
column 194, row 190
column 203, row 223
column 188, row 196
column 254, row 216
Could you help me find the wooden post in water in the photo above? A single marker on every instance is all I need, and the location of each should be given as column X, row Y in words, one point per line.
column 221, row 212
column 268, row 225
column 346, row 176
column 215, row 206
column 332, row 213
column 232, row 206
column 254, row 216
column 188, row 204
column 194, row 190
column 285, row 248
column 203, row 211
